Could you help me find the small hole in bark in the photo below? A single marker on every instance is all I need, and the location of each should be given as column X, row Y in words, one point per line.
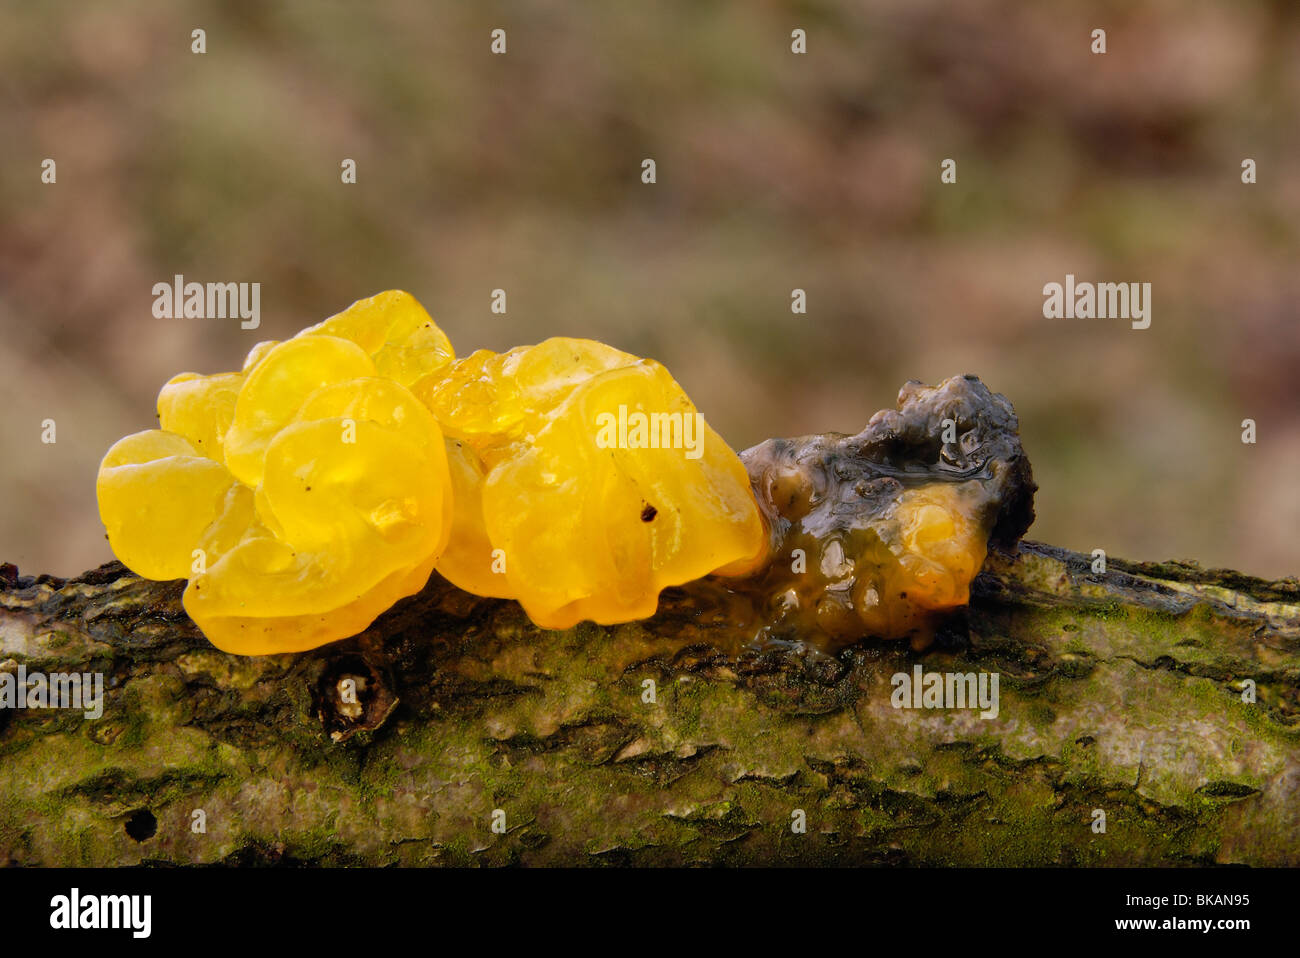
column 141, row 825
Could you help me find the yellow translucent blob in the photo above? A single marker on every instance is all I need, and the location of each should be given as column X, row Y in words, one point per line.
column 258, row 353
column 488, row 398
column 470, row 561
column 353, row 508
column 200, row 408
column 306, row 494
column 396, row 331
column 590, row 520
column 302, row 496
column 156, row 496
column 266, row 634
column 277, row 386
column 373, row 399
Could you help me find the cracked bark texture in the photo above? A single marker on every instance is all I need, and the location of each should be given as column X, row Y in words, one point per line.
column 1121, row 692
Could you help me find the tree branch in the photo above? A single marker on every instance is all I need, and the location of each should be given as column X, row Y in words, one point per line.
column 1120, row 692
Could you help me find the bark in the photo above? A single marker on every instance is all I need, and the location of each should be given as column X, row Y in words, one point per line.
column 1127, row 693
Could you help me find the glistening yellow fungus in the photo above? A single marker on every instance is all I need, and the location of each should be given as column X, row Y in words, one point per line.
column 301, row 497
column 307, row 493
column 582, row 520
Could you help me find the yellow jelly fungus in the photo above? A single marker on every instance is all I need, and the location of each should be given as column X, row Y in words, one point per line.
column 490, row 398
column 337, row 531
column 395, row 330
column 470, row 561
column 586, row 482
column 305, row 494
column 302, row 496
column 156, row 497
column 200, row 408
column 277, row 386
column 258, row 353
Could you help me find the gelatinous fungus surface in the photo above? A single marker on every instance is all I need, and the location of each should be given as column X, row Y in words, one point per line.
column 305, row 494
column 567, row 517
column 302, row 496
column 880, row 534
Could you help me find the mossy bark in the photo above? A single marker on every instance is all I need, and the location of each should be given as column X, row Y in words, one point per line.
column 1127, row 692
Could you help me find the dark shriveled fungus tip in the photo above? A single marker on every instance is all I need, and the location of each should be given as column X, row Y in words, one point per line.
column 879, row 535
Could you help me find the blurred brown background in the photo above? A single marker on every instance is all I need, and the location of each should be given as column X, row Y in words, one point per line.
column 775, row 171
